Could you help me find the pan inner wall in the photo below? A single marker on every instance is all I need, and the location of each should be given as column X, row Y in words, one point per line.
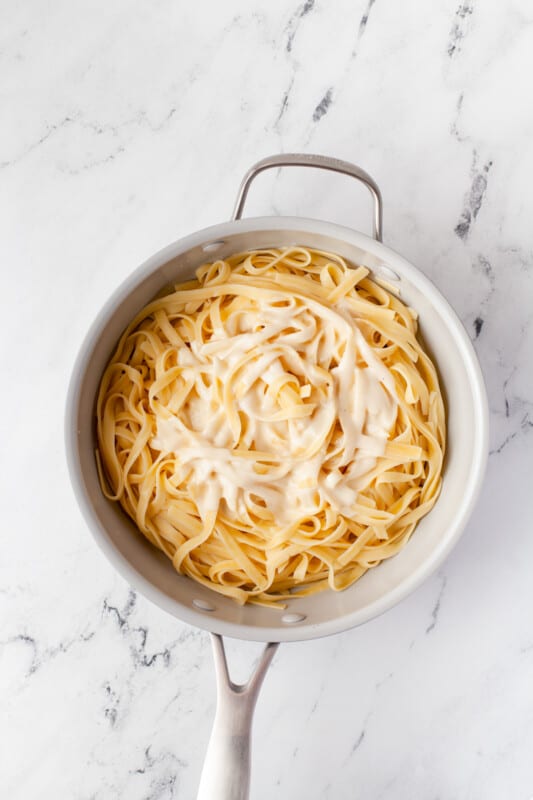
column 145, row 566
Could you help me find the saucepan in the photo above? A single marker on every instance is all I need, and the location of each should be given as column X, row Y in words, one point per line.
column 226, row 773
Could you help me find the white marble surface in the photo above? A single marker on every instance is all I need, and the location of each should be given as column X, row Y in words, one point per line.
column 127, row 125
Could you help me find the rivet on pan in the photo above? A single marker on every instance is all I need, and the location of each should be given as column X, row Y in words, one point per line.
column 210, row 246
column 203, row 605
column 386, row 273
column 291, row 619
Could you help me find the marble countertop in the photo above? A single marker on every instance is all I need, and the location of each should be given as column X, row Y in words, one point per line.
column 128, row 125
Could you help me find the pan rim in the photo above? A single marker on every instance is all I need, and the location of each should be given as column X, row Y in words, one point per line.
column 338, row 624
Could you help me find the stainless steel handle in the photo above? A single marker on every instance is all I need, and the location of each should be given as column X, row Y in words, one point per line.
column 226, row 771
column 322, row 162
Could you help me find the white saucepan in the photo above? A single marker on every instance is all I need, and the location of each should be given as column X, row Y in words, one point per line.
column 226, row 773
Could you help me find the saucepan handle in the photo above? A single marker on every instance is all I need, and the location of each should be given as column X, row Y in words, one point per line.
column 226, row 771
column 322, row 162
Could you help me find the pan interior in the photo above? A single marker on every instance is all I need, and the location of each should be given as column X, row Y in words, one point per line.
column 327, row 612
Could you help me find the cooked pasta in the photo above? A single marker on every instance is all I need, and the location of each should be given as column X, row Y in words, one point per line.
column 273, row 426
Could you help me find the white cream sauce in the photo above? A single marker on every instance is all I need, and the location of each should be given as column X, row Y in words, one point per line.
column 324, row 357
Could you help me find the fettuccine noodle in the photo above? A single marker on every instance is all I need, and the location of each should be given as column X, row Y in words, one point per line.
column 273, row 426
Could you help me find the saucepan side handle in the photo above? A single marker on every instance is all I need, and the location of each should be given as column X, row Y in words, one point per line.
column 322, row 162
column 226, row 770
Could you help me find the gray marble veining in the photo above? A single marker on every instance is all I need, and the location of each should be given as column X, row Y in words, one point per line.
column 127, row 126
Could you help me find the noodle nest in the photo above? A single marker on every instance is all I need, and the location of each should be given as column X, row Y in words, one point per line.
column 273, row 426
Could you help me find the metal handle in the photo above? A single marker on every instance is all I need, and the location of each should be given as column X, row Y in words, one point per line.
column 226, row 771
column 322, row 162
